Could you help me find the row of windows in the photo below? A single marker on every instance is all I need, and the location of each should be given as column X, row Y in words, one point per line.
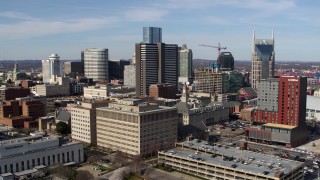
column 45, row 160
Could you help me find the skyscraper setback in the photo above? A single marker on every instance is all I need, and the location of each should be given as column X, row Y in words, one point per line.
column 263, row 58
column 152, row 35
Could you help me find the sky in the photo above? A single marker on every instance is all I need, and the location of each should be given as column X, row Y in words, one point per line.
column 34, row 29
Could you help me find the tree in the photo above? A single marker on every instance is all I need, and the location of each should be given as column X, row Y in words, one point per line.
column 62, row 127
column 64, row 172
column 136, row 163
column 120, row 158
column 153, row 148
column 84, row 175
column 92, row 159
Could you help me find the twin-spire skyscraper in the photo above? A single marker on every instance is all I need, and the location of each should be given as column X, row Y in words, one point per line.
column 263, row 59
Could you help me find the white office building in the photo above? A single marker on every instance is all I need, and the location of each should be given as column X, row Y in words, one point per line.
column 96, row 64
column 50, row 67
column 26, row 153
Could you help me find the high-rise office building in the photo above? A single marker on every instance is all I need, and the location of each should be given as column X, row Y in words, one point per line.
column 129, row 75
column 263, row 58
column 281, row 109
column 226, row 61
column 152, row 35
column 155, row 63
column 116, row 68
column 135, row 127
column 51, row 67
column 185, row 64
column 96, row 64
column 73, row 68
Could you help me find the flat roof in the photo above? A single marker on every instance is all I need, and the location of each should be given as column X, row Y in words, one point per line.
column 283, row 126
column 26, row 172
column 6, row 174
column 256, row 158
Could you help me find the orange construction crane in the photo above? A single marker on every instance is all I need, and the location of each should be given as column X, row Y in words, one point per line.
column 217, row 47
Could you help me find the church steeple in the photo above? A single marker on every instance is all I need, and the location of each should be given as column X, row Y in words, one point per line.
column 185, row 94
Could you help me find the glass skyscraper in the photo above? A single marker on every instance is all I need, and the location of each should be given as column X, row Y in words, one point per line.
column 152, row 35
column 96, row 64
column 51, row 67
column 262, row 60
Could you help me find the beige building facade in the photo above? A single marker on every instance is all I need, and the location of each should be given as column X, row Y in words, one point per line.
column 59, row 87
column 83, row 121
column 99, row 92
column 135, row 127
column 207, row 80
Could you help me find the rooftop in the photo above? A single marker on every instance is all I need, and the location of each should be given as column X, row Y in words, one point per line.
column 255, row 162
column 313, row 102
column 283, row 126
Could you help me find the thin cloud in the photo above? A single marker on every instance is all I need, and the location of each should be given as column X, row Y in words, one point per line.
column 145, row 14
column 27, row 29
column 17, row 15
column 261, row 5
column 216, row 20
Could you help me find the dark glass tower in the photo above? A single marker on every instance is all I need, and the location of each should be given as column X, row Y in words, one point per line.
column 226, row 60
column 152, row 35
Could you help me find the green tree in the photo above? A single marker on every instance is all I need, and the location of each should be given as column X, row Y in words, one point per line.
column 62, row 127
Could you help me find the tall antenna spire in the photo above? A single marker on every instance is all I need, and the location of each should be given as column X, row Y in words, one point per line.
column 253, row 40
column 272, row 34
column 254, row 35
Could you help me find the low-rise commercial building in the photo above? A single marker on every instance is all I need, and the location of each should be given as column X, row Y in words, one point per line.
column 11, row 93
column 98, row 92
column 313, row 108
column 220, row 162
column 59, row 87
column 163, row 90
column 26, row 153
column 136, row 127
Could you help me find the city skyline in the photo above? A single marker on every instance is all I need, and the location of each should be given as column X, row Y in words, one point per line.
column 38, row 28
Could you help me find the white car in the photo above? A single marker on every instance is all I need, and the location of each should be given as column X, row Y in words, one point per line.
column 315, row 162
column 316, row 166
column 311, row 170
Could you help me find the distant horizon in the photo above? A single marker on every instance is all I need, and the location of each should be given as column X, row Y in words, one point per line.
column 196, row 59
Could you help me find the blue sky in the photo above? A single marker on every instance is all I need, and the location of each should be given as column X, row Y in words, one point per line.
column 33, row 29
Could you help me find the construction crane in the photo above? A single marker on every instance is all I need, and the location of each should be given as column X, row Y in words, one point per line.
column 217, row 47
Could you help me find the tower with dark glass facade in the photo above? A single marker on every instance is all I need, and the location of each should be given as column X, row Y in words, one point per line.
column 262, row 59
column 152, row 35
column 226, row 61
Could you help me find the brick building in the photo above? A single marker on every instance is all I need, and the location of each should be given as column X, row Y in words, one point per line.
column 13, row 113
column 281, row 111
column 163, row 90
column 13, row 92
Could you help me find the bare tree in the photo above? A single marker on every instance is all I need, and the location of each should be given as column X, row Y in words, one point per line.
column 120, row 158
column 152, row 148
column 92, row 159
column 84, row 175
column 136, row 163
column 64, row 172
